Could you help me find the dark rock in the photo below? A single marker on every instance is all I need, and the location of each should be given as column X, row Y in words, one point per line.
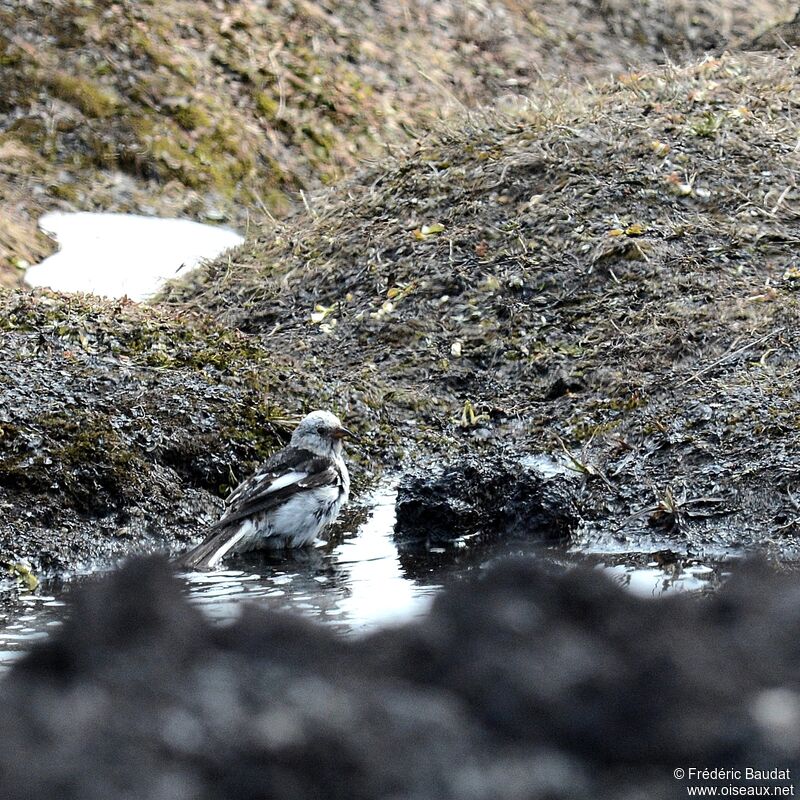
column 489, row 495
column 564, row 384
column 525, row 684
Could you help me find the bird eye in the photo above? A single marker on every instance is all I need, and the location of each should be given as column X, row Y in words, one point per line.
column 321, row 430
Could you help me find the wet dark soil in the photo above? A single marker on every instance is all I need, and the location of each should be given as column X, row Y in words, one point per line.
column 605, row 276
column 592, row 280
column 481, row 499
column 519, row 684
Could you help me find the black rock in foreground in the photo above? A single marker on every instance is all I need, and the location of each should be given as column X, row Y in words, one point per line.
column 490, row 495
column 522, row 685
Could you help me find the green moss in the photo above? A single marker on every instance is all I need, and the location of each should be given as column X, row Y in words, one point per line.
column 78, row 456
column 10, row 55
column 94, row 461
column 707, row 124
column 191, row 116
column 587, row 431
column 216, row 159
column 628, row 402
column 91, row 98
column 267, row 104
column 152, row 44
column 64, row 191
column 323, row 141
column 279, row 202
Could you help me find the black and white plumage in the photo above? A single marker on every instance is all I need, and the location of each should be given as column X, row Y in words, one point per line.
column 287, row 501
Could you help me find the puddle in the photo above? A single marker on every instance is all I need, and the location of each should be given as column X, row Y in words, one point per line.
column 549, row 466
column 653, row 580
column 357, row 584
column 118, row 255
column 34, row 618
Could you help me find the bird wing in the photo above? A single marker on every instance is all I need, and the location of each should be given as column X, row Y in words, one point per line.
column 287, row 473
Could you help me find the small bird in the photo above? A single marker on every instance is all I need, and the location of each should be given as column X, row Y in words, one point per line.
column 288, row 500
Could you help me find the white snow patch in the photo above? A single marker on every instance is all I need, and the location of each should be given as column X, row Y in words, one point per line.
column 118, row 255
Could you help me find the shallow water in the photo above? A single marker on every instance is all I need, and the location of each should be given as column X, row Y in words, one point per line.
column 356, row 584
column 36, row 616
column 118, row 255
column 654, row 580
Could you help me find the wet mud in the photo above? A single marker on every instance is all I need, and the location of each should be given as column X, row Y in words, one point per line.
column 483, row 499
column 555, row 281
column 559, row 287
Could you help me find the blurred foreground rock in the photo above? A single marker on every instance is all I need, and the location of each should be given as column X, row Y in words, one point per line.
column 522, row 685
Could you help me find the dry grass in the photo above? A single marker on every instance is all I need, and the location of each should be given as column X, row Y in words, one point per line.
column 233, row 110
column 21, row 242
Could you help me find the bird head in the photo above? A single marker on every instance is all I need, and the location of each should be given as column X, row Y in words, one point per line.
column 322, row 433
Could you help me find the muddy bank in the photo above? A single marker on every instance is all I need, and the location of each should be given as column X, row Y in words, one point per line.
column 121, row 427
column 479, row 500
column 524, row 685
column 228, row 111
column 610, row 277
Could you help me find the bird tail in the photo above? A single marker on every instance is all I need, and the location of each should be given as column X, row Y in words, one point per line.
column 211, row 550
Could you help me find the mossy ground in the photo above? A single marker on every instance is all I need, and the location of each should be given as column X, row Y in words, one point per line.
column 122, row 426
column 612, row 272
column 228, row 111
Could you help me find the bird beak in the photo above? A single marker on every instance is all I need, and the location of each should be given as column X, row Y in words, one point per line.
column 343, row 433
